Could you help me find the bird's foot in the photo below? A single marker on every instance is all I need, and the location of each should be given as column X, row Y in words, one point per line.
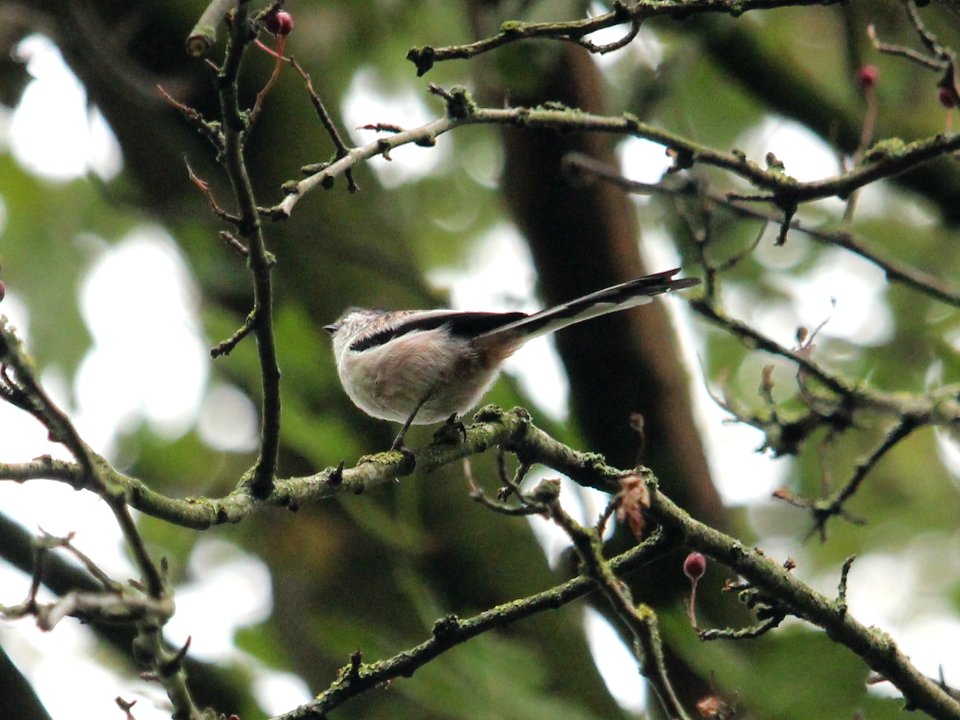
column 451, row 432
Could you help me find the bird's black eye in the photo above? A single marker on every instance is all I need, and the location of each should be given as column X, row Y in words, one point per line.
column 332, row 328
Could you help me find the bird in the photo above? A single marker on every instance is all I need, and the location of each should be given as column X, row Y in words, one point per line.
column 428, row 366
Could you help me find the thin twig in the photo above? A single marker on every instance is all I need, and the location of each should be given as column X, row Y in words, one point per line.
column 210, row 130
column 235, row 126
column 896, row 271
column 225, row 347
column 272, row 80
column 834, row 506
column 211, row 200
column 329, row 125
column 640, row 620
column 424, row 57
column 357, row 677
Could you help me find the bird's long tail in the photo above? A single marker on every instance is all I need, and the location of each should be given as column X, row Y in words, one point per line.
column 612, row 299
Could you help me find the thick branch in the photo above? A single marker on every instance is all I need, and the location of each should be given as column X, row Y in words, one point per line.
column 493, row 429
column 872, row 645
column 886, row 159
column 514, row 431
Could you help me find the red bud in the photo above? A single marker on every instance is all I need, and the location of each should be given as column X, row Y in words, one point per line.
column 279, row 23
column 948, row 98
column 695, row 566
column 867, row 76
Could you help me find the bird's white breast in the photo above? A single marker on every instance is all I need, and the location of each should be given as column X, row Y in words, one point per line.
column 388, row 381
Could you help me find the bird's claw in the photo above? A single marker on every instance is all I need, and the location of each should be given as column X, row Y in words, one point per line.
column 451, row 432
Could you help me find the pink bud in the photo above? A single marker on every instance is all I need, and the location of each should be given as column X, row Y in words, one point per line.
column 948, row 98
column 867, row 76
column 279, row 23
column 695, row 566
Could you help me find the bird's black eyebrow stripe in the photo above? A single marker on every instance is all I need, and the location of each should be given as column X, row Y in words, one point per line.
column 460, row 324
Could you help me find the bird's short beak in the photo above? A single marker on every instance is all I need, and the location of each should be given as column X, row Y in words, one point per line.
column 332, row 327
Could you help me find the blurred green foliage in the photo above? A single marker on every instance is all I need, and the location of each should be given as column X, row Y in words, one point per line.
column 374, row 572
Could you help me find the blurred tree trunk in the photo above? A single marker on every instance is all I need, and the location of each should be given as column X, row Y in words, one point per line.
column 584, row 238
column 19, row 699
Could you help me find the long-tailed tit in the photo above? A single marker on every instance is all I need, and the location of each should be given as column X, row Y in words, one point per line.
column 426, row 366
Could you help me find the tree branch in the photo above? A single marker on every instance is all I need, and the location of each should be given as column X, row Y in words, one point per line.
column 424, row 57
column 514, row 432
column 235, row 128
column 358, row 677
column 148, row 605
column 886, row 158
column 577, row 164
column 872, row 645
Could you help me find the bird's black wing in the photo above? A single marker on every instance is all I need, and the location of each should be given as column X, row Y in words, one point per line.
column 471, row 324
column 460, row 324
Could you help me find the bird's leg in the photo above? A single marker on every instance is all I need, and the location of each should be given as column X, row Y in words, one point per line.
column 398, row 442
